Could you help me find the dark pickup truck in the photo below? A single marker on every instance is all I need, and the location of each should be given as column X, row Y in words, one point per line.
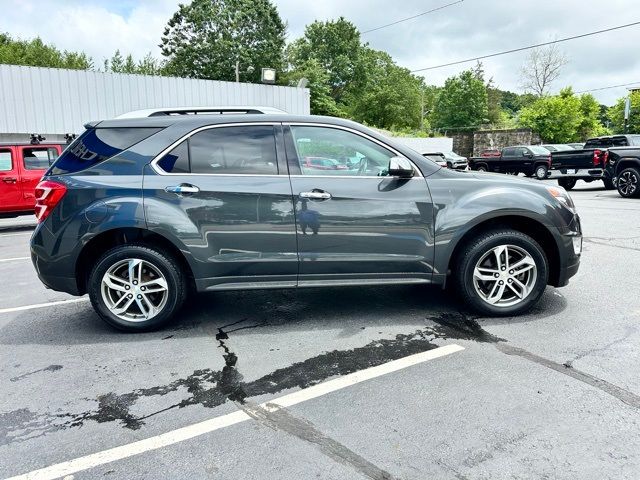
column 590, row 163
column 624, row 165
column 528, row 159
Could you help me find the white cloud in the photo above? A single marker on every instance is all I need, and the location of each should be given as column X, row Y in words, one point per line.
column 472, row 28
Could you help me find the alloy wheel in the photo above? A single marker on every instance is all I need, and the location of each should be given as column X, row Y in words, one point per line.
column 134, row 290
column 628, row 183
column 505, row 275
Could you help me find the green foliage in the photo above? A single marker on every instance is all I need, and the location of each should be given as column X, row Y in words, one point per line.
column 563, row 118
column 388, row 96
column 321, row 101
column 205, row 39
column 347, row 78
column 335, row 46
column 616, row 114
column 147, row 66
column 36, row 53
column 462, row 103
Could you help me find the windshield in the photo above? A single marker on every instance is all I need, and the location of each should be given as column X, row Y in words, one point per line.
column 538, row 150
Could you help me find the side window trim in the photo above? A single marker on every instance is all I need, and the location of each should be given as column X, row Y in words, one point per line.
column 295, row 160
column 156, row 168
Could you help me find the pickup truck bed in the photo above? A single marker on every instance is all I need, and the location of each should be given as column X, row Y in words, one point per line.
column 588, row 164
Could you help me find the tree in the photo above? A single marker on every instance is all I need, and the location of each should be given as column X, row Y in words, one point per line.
column 335, row 46
column 590, row 122
column 321, row 101
column 205, row 39
column 388, row 96
column 462, row 103
column 542, row 68
column 563, row 118
column 616, row 114
column 119, row 64
column 36, row 53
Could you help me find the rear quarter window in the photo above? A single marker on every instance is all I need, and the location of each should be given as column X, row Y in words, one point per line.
column 96, row 145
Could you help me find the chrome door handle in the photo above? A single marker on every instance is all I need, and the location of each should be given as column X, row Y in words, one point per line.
column 315, row 195
column 9, row 180
column 182, row 189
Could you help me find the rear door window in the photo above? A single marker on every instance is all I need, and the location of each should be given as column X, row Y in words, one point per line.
column 96, row 145
column 38, row 158
column 508, row 152
column 246, row 150
column 6, row 165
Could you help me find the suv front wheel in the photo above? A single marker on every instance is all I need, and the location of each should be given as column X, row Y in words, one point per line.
column 502, row 272
column 136, row 288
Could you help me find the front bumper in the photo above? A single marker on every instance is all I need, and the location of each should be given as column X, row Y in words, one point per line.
column 570, row 252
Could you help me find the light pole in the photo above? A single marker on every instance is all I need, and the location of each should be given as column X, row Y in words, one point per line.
column 250, row 70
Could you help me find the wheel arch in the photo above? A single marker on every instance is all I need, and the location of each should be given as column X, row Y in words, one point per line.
column 627, row 162
column 108, row 239
column 527, row 225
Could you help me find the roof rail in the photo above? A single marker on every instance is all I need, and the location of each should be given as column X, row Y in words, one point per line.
column 213, row 110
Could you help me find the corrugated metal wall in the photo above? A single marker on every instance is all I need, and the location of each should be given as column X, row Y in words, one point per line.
column 57, row 101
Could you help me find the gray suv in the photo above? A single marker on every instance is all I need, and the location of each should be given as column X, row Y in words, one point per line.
column 138, row 212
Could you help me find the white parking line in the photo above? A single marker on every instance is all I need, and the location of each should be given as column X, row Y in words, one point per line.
column 180, row 435
column 42, row 305
column 13, row 259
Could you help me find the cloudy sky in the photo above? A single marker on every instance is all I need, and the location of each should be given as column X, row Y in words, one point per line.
column 468, row 29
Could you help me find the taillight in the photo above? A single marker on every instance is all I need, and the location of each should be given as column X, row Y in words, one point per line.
column 48, row 194
column 549, row 160
column 596, row 157
column 605, row 158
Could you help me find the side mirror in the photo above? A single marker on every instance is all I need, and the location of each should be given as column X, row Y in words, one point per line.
column 400, row 167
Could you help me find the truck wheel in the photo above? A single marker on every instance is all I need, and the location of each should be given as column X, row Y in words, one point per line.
column 541, row 172
column 567, row 183
column 136, row 288
column 449, row 165
column 608, row 183
column 502, row 272
column 629, row 183
column 482, row 168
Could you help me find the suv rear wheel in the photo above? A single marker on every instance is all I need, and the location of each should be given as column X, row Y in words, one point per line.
column 629, row 183
column 502, row 272
column 136, row 288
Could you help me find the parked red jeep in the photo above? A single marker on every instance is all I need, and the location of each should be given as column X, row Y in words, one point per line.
column 21, row 168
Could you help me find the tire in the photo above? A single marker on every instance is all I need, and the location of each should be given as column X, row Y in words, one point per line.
column 160, row 270
column 567, row 183
column 449, row 165
column 482, row 168
column 480, row 253
column 628, row 183
column 541, row 172
column 608, row 183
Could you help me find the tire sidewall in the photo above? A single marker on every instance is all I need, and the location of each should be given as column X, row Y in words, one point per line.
column 488, row 242
column 161, row 262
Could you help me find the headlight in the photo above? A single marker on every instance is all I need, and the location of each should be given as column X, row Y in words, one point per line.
column 562, row 196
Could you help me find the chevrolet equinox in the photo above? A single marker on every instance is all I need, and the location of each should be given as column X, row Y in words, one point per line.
column 137, row 212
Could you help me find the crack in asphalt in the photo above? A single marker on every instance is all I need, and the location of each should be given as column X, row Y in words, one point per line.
column 280, row 419
column 620, row 393
column 277, row 418
column 50, row 368
column 595, row 242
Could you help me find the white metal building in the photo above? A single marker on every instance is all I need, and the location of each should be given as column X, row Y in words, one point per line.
column 52, row 101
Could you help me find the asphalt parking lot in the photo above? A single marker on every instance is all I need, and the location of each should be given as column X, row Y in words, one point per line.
column 335, row 384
